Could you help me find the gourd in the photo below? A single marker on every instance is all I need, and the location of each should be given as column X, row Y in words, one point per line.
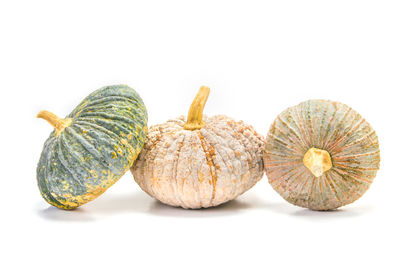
column 321, row 155
column 198, row 161
column 92, row 147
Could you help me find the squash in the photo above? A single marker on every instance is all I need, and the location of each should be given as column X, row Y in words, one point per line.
column 321, row 155
column 199, row 162
column 92, row 147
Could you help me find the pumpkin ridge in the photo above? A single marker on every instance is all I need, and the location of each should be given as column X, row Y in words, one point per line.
column 109, row 106
column 196, row 182
column 336, row 125
column 337, row 184
column 308, row 122
column 209, row 154
column 110, row 134
column 283, row 175
column 303, row 182
column 131, row 95
column 295, row 129
column 155, row 152
column 247, row 143
column 105, row 123
column 224, row 127
column 108, row 99
column 341, row 184
column 110, row 109
column 271, row 168
column 294, row 180
column 319, row 124
column 73, row 153
column 290, row 182
column 368, row 142
column 303, row 127
column 128, row 94
column 150, row 166
column 349, row 128
column 332, row 188
column 323, row 124
column 189, row 137
column 340, row 152
column 250, row 129
column 116, row 91
column 92, row 150
column 312, row 123
column 244, row 139
column 217, row 131
column 134, row 109
column 376, row 151
column 286, row 179
column 65, row 165
column 339, row 139
column 51, row 156
column 310, row 195
column 89, row 195
column 57, row 193
column 329, row 127
column 55, row 161
column 145, row 165
column 284, row 145
column 217, row 151
column 295, row 146
column 126, row 154
column 89, row 124
column 44, row 190
column 104, row 115
column 175, row 170
column 244, row 142
column 122, row 93
column 353, row 177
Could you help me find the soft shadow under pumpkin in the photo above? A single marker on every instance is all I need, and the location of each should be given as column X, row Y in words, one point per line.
column 108, row 205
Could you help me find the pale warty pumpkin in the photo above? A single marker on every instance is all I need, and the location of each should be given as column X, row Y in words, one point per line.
column 199, row 162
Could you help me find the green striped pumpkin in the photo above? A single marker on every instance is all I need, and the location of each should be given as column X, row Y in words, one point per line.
column 91, row 148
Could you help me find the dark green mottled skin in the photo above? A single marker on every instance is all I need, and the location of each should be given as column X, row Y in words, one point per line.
column 106, row 135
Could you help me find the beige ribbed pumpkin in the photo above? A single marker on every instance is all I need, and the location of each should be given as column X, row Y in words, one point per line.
column 199, row 162
column 321, row 155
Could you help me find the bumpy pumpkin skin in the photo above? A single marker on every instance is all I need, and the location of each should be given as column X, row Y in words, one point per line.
column 199, row 168
column 325, row 125
column 105, row 136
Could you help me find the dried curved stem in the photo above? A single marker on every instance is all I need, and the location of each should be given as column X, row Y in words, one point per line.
column 58, row 123
column 195, row 114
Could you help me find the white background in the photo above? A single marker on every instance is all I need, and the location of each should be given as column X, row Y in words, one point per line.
column 258, row 57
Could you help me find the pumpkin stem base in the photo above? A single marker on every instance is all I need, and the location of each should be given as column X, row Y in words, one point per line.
column 317, row 161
